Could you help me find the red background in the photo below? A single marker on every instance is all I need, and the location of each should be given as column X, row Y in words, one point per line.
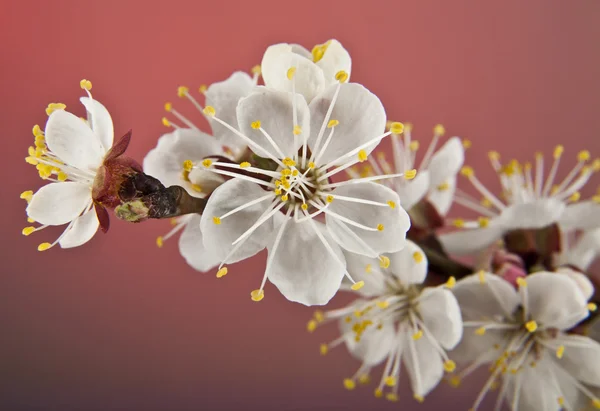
column 118, row 324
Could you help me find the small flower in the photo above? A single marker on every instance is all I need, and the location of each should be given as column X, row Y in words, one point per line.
column 399, row 320
column 76, row 155
column 530, row 202
column 278, row 209
column 522, row 334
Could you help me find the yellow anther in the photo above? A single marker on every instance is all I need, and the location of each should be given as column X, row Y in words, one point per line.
column 329, row 199
column 159, row 241
column 528, row 166
column 561, row 401
column 480, row 331
column 332, row 123
column 295, row 173
column 596, row 403
column 378, row 393
column 391, row 204
column 257, row 295
column 319, row 316
column 202, row 89
column 384, row 262
column 391, row 396
column 390, row 381
column 419, row 398
column 318, row 51
column 188, row 165
column 483, row 222
column 166, row 122
column 358, row 285
column 349, row 384
column 481, row 275
column 52, row 107
column 383, row 304
column 560, row 351
column 396, row 127
column 285, row 197
column 486, row 202
column 341, row 76
column 410, row 174
column 573, row 198
column 414, row 145
column 311, row 325
column 173, row 221
column 197, row 188
column 521, row 282
column 324, row 348
column 311, row 165
column 531, row 326
column 449, row 366
column 466, row 143
column 362, row 156
column 209, row 111
column 297, row 130
column 583, row 155
column 217, row 220
column 364, row 379
column 286, row 171
column 168, row 107
column 28, row 230
column 439, row 130
column 304, row 206
column 255, row 124
column 245, row 164
column 450, row 283
column 256, row 70
column 467, row 171
column 182, row 91
column 443, row 187
column 380, row 227
column 592, row 307
column 85, row 84
column 30, row 220
column 37, row 131
column 554, row 189
column 207, row 163
column 44, row 246
column 290, row 163
column 454, row 381
column 494, row 155
column 458, row 223
column 368, row 268
column 222, row 272
column 418, row 335
column 290, row 73
column 596, row 165
column 40, row 144
column 558, row 150
column 596, row 199
column 418, row 257
column 26, row 195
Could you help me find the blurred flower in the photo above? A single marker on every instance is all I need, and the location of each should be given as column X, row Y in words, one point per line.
column 305, row 256
column 530, row 203
column 584, row 250
column 522, row 334
column 398, row 320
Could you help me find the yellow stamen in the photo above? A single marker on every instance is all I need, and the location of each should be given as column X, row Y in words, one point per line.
column 419, row 398
column 458, row 223
column 324, row 349
column 284, row 197
column 182, row 91
column 245, row 164
column 480, row 331
column 384, row 262
column 592, row 307
column 414, row 145
column 358, row 285
column 62, row 176
column 418, row 257
column 466, row 144
column 383, row 304
column 290, row 73
column 391, row 204
column 207, row 162
column 362, row 156
column 52, row 107
column 380, row 227
column 439, row 130
column 390, row 381
column 30, row 220
column 256, row 70
column 297, row 130
column 166, row 122
column 449, row 366
column 583, row 155
column 364, row 379
column 44, row 246
column 26, row 195
column 596, row 403
column 418, row 335
column 222, row 272
column 443, row 187
column 410, row 174
column 397, row 127
column 197, row 188
column 28, row 230
column 311, row 165
column 450, row 283
column 483, row 222
column 209, row 111
column 311, row 326
column 560, row 351
column 521, row 282
column 85, row 84
column 454, row 381
column 257, row 295
column 319, row 316
column 481, row 275
column 188, row 165
column 531, row 326
column 37, row 131
column 255, row 124
column 168, row 107
column 329, row 199
column 558, row 150
column 332, row 123
column 573, row 198
column 159, row 241
column 349, row 384
column 216, row 220
column 378, row 393
column 341, row 76
column 368, row 268
column 304, row 206
column 290, row 163
column 467, row 171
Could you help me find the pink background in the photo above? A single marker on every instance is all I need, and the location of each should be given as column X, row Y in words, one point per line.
column 120, row 325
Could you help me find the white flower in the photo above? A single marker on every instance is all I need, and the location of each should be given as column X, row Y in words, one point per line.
column 531, row 202
column 70, row 153
column 437, row 171
column 584, row 250
column 305, row 256
column 399, row 321
column 166, row 163
column 316, row 70
column 522, row 334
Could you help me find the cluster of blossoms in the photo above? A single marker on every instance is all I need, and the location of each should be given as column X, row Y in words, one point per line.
column 289, row 167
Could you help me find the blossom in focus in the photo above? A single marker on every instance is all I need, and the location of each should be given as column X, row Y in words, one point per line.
column 397, row 321
column 530, row 202
column 75, row 154
column 522, row 334
column 281, row 208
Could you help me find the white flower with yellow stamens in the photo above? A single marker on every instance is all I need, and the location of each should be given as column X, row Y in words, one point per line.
column 530, row 202
column 167, row 163
column 522, row 334
column 437, row 171
column 316, row 70
column 400, row 321
column 70, row 153
column 307, row 144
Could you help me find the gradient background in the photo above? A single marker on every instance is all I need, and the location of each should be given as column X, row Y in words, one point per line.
column 120, row 325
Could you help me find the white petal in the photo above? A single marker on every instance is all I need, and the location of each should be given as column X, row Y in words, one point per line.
column 82, row 231
column 580, row 216
column 224, row 97
column 440, row 312
column 409, row 265
column 375, row 344
column 581, row 359
column 536, row 391
column 100, row 121
column 302, row 268
column 335, row 59
column 395, row 220
column 357, row 264
column 274, row 110
column 425, row 367
column 192, row 247
column 276, row 62
column 442, row 199
column 468, row 241
column 480, row 348
column 361, row 118
column 59, row 203
column 447, row 161
column 165, row 161
column 412, row 191
column 298, row 49
column 555, row 300
column 489, row 298
column 218, row 238
column 585, row 251
column 73, row 141
column 536, row 214
column 582, row 281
